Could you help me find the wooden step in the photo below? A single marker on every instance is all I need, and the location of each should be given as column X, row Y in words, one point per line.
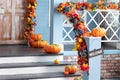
column 33, row 64
column 16, row 53
column 28, row 68
column 20, row 54
column 26, row 59
column 40, row 76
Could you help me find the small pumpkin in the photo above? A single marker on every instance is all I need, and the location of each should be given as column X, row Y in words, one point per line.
column 98, row 32
column 71, row 69
column 56, row 61
column 39, row 43
column 66, row 73
column 36, row 36
column 67, row 68
column 52, row 48
column 88, row 34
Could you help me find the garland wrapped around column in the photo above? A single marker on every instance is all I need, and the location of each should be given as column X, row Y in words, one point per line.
column 68, row 9
column 30, row 19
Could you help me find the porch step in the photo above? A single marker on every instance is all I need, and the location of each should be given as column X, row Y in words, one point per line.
column 24, row 54
column 23, row 63
column 16, row 53
column 40, row 76
column 30, row 68
column 25, row 57
column 33, row 64
column 35, row 71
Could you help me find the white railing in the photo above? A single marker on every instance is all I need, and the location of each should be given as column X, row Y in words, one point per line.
column 108, row 19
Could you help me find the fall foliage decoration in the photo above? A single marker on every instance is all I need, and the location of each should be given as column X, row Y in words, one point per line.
column 52, row 48
column 30, row 18
column 68, row 9
column 101, row 5
column 85, row 67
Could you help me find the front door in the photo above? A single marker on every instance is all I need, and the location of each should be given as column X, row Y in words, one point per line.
column 12, row 21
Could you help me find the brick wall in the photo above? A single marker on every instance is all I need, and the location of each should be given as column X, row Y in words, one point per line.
column 110, row 66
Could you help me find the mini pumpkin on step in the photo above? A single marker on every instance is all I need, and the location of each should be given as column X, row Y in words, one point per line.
column 39, row 43
column 52, row 48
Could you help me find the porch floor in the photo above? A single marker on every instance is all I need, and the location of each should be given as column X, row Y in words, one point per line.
column 21, row 50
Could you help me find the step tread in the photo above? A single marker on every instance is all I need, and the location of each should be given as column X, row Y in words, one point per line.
column 22, row 50
column 25, row 53
column 33, row 64
column 37, row 76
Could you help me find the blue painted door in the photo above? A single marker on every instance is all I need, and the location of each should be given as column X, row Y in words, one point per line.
column 42, row 18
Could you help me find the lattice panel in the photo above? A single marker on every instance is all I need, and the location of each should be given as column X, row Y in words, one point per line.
column 108, row 19
column 68, row 34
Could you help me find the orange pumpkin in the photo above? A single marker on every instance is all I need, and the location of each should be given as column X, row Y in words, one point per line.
column 66, row 73
column 52, row 48
column 36, row 36
column 56, row 61
column 39, row 43
column 71, row 69
column 88, row 34
column 68, row 68
column 98, row 32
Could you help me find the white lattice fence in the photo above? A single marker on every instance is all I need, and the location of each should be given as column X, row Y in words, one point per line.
column 68, row 35
column 108, row 19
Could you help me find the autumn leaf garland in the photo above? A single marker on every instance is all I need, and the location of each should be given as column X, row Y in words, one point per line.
column 68, row 9
column 30, row 18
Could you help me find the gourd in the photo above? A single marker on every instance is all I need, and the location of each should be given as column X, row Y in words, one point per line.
column 36, row 36
column 52, row 48
column 39, row 43
column 98, row 32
